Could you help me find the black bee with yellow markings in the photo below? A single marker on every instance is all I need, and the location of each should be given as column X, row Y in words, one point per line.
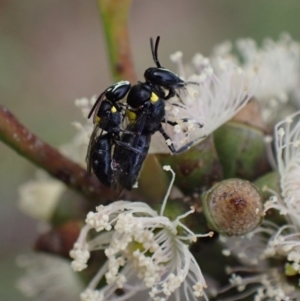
column 107, row 127
column 145, row 109
column 146, row 113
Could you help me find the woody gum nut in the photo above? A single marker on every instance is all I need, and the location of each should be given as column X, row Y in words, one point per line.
column 233, row 207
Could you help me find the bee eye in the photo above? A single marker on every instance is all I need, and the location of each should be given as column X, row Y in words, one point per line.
column 113, row 109
column 154, row 97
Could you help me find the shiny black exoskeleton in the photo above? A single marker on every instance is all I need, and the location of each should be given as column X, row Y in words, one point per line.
column 117, row 156
column 113, row 94
column 127, row 162
column 107, row 118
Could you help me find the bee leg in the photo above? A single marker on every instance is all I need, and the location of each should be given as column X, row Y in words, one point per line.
column 168, row 140
column 173, row 123
column 177, row 93
column 184, row 90
column 192, row 83
column 171, row 145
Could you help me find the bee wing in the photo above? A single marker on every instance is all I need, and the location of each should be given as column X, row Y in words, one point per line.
column 92, row 142
column 120, row 170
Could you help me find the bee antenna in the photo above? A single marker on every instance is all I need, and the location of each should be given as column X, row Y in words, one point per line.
column 95, row 104
column 154, row 51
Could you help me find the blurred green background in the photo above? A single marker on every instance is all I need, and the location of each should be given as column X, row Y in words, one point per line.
column 52, row 52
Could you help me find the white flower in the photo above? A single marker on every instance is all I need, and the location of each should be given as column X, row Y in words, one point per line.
column 286, row 240
column 277, row 64
column 76, row 149
column 214, row 93
column 38, row 198
column 145, row 251
column 287, row 139
column 85, row 104
column 48, row 278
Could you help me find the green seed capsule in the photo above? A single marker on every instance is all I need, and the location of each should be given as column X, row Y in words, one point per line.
column 233, row 207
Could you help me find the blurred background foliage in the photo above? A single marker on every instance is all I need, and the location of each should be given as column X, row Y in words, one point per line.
column 53, row 51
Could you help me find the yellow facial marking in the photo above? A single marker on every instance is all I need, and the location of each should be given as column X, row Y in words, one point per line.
column 131, row 116
column 113, row 109
column 154, row 97
column 97, row 119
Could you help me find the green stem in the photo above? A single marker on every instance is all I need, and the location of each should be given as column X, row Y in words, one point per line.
column 114, row 15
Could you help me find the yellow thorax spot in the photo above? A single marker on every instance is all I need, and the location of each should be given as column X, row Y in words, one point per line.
column 97, row 119
column 131, row 116
column 113, row 109
column 154, row 97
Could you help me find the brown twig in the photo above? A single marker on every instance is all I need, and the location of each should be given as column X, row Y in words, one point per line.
column 28, row 145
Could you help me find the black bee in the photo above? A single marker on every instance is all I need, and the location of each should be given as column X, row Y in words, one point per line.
column 146, row 113
column 107, row 118
column 116, row 156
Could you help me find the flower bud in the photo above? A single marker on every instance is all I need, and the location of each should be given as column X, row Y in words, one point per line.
column 233, row 207
column 39, row 198
column 242, row 150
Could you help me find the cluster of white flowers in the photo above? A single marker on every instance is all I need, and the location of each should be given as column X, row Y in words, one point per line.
column 277, row 64
column 145, row 251
column 214, row 93
column 286, row 241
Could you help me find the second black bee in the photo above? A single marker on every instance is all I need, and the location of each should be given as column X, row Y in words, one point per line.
column 107, row 127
